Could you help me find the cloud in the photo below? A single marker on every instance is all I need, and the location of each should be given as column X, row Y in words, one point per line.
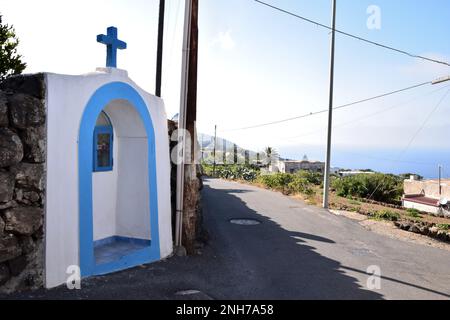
column 224, row 40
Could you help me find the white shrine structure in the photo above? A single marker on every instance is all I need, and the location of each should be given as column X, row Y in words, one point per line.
column 108, row 173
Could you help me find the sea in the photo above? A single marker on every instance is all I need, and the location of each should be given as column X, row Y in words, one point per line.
column 421, row 161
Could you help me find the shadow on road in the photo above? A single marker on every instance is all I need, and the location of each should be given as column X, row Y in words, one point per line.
column 269, row 262
column 239, row 263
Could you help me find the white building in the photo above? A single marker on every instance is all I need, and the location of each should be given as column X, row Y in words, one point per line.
column 293, row 166
column 353, row 173
column 427, row 195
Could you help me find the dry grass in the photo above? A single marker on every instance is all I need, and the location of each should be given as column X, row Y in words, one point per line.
column 340, row 203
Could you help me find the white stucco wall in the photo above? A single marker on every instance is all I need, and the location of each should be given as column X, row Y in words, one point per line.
column 131, row 163
column 67, row 97
column 421, row 207
column 104, row 186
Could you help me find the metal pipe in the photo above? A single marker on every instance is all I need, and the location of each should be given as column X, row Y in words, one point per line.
column 182, row 124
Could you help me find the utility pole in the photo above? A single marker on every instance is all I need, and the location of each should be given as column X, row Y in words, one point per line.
column 202, row 149
column 440, row 180
column 188, row 111
column 214, row 153
column 159, row 54
column 224, row 152
column 326, row 185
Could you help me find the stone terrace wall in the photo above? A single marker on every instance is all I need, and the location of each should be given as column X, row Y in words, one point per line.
column 22, row 181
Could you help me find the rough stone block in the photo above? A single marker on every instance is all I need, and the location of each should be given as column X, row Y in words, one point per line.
column 6, row 186
column 34, row 142
column 2, row 226
column 4, row 120
column 23, row 220
column 7, row 205
column 11, row 148
column 32, row 84
column 17, row 265
column 9, row 248
column 4, row 274
column 27, row 244
column 26, row 111
column 31, row 196
column 29, row 175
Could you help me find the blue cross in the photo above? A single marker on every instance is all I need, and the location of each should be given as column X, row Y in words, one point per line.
column 112, row 44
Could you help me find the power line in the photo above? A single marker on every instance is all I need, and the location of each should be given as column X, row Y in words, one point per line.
column 353, row 36
column 416, row 134
column 425, row 123
column 326, row 110
column 369, row 115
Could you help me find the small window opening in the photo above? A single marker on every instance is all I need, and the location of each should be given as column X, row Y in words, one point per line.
column 103, row 144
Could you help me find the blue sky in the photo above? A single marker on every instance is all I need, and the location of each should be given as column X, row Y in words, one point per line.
column 257, row 65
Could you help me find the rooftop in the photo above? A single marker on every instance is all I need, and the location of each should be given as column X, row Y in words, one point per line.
column 422, row 200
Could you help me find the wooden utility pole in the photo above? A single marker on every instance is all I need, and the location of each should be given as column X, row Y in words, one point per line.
column 191, row 110
column 188, row 184
column 159, row 54
column 326, row 184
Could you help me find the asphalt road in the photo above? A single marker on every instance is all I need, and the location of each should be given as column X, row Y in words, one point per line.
column 297, row 252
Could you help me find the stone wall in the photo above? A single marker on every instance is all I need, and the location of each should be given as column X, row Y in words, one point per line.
column 194, row 235
column 429, row 188
column 22, row 181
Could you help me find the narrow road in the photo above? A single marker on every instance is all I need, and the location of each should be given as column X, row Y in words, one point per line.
column 297, row 252
column 301, row 251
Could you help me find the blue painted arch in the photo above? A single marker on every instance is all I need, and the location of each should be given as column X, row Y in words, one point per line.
column 99, row 100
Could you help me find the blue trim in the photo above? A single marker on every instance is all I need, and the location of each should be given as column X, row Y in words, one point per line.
column 102, row 242
column 103, row 130
column 98, row 101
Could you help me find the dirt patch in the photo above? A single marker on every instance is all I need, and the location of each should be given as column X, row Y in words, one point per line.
column 388, row 229
column 420, row 227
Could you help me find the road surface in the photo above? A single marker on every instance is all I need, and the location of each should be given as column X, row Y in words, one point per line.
column 304, row 252
column 297, row 252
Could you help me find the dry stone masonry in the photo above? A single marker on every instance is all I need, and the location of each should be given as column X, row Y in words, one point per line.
column 22, row 181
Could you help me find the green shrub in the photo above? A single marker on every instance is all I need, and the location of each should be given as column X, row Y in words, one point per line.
column 300, row 185
column 311, row 177
column 287, row 183
column 386, row 215
column 276, row 181
column 354, row 202
column 233, row 172
column 413, row 213
column 380, row 187
column 444, row 226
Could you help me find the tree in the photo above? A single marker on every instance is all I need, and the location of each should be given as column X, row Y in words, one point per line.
column 271, row 155
column 10, row 61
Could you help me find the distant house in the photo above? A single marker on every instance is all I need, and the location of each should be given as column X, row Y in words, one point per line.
column 353, row 173
column 427, row 195
column 293, row 166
